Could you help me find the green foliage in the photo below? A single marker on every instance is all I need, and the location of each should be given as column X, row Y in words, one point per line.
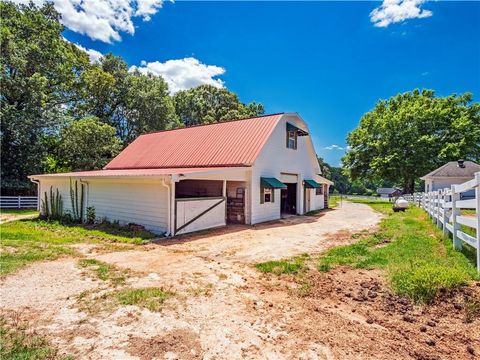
column 207, row 104
column 90, row 215
column 411, row 134
column 38, row 80
column 27, row 241
column 151, row 298
column 52, row 206
column 76, row 201
column 418, row 260
column 87, row 144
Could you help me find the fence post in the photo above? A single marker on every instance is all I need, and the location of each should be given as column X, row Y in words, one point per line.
column 457, row 243
column 434, row 209
column 18, row 202
column 446, row 198
column 477, row 197
column 439, row 207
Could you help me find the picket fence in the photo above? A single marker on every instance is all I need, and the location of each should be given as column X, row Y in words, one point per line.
column 18, row 202
column 454, row 213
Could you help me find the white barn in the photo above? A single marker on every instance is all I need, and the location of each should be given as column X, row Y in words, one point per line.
column 178, row 181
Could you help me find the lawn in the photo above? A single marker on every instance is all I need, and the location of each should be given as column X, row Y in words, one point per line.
column 26, row 241
column 417, row 259
column 18, row 212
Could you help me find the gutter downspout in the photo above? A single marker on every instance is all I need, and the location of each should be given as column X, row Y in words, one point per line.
column 169, row 222
column 38, row 192
column 87, row 197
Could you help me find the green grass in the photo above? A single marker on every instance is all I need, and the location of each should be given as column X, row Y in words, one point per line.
column 26, row 241
column 17, row 343
column 291, row 266
column 104, row 271
column 333, row 201
column 151, row 298
column 18, row 212
column 418, row 260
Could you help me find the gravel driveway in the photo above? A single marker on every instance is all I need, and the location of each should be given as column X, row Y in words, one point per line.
column 220, row 302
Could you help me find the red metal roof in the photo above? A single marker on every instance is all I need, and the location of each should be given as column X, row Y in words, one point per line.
column 133, row 172
column 232, row 143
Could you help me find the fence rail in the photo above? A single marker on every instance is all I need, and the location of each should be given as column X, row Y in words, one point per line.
column 18, row 202
column 454, row 213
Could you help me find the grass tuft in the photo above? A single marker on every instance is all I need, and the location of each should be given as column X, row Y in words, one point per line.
column 151, row 298
column 18, row 343
column 104, row 271
column 277, row 267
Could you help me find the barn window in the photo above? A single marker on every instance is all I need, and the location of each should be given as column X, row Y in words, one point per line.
column 319, row 191
column 267, row 195
column 292, row 139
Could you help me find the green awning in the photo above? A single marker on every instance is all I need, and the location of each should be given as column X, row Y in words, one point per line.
column 272, row 183
column 312, row 184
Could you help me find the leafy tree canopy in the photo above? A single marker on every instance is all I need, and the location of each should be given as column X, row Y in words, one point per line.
column 411, row 134
column 87, row 144
column 207, row 104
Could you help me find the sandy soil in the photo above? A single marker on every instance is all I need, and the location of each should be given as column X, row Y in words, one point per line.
column 11, row 217
column 224, row 309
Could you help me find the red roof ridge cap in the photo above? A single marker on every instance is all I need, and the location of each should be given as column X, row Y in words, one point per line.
column 214, row 123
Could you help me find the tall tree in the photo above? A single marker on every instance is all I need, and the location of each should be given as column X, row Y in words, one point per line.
column 411, row 134
column 38, row 80
column 131, row 102
column 206, row 104
column 87, row 144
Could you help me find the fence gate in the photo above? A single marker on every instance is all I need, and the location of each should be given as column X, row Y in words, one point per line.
column 193, row 214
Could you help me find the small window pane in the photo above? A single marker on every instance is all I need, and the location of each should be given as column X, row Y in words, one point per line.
column 319, row 191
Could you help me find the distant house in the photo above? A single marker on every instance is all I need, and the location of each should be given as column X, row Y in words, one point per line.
column 387, row 193
column 453, row 172
column 178, row 181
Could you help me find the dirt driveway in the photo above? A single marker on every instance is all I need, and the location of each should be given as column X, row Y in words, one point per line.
column 222, row 307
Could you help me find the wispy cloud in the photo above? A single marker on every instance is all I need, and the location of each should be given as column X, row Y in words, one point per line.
column 102, row 20
column 335, row 147
column 182, row 74
column 395, row 11
column 425, row 73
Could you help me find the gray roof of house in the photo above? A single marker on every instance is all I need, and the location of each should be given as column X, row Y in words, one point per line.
column 387, row 191
column 451, row 169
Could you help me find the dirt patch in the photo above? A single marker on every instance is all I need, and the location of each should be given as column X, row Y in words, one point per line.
column 355, row 307
column 177, row 344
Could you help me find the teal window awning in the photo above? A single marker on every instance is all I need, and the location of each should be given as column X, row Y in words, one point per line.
column 272, row 183
column 312, row 184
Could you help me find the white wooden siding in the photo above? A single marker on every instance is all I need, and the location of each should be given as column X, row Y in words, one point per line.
column 133, row 201
column 274, row 159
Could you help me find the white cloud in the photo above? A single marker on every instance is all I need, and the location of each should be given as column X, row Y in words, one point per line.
column 94, row 55
column 182, row 74
column 334, row 147
column 394, row 11
column 103, row 20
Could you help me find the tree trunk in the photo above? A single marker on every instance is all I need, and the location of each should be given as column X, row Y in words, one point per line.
column 408, row 185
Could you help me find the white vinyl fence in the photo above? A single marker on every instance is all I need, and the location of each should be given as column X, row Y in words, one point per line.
column 454, row 213
column 18, row 202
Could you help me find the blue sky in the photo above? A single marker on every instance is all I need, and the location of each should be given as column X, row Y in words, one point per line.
column 325, row 60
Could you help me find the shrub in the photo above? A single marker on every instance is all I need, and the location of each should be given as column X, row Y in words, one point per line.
column 90, row 215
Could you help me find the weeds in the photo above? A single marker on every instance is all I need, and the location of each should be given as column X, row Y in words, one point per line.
column 277, row 267
column 104, row 271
